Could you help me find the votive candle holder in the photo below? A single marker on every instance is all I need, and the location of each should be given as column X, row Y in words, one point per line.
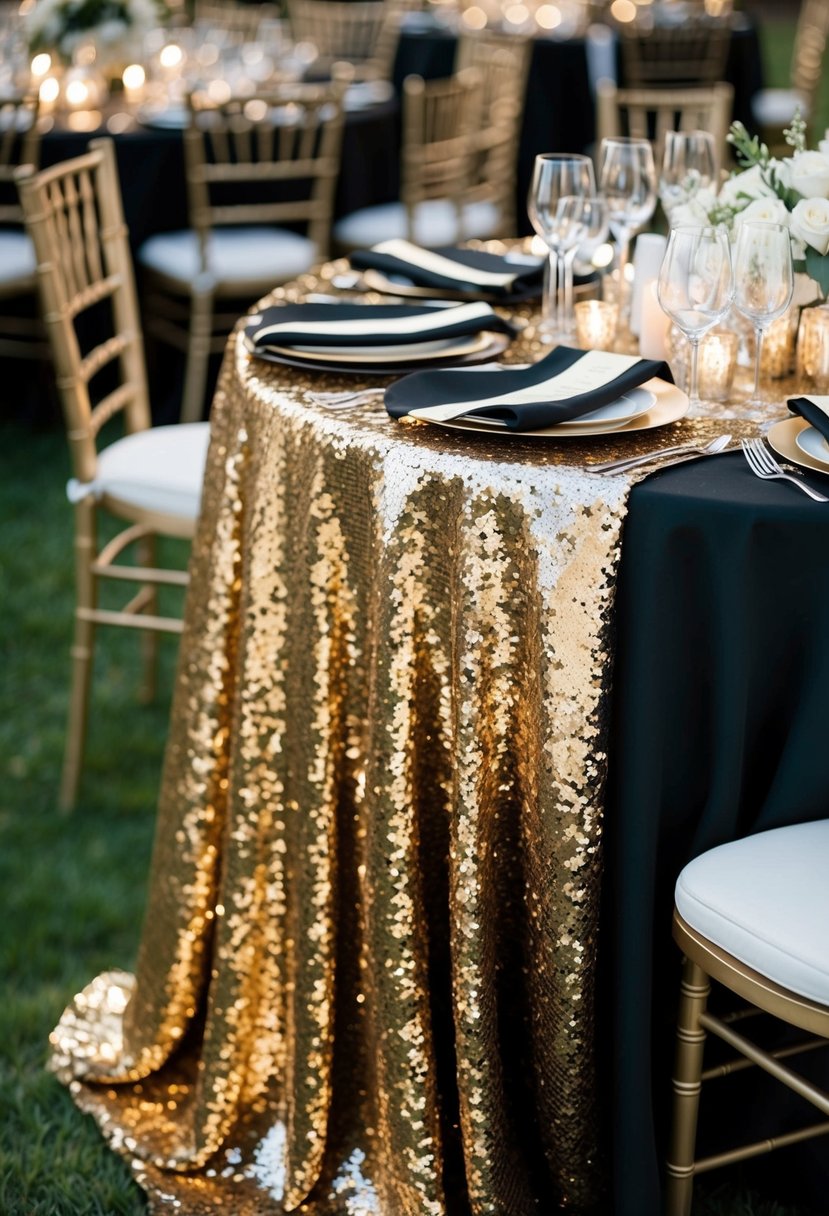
column 813, row 348
column 596, row 324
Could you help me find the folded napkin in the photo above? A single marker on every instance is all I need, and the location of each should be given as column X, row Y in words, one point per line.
column 565, row 384
column 815, row 410
column 348, row 325
column 453, row 269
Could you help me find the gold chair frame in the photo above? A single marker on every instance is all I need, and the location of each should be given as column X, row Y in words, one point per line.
column 362, row 33
column 811, row 34
column 74, row 215
column 223, row 147
column 651, row 113
column 20, row 337
column 693, row 53
column 704, row 961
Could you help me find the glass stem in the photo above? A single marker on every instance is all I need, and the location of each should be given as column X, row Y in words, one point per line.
column 624, row 258
column 569, row 315
column 561, row 318
column 693, row 393
column 549, row 298
column 758, row 359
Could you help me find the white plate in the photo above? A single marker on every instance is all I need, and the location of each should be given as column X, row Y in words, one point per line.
column 441, row 348
column 618, row 413
column 783, row 438
column 813, row 444
column 669, row 405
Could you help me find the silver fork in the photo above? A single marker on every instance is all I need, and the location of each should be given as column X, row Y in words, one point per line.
column 762, row 464
column 346, row 400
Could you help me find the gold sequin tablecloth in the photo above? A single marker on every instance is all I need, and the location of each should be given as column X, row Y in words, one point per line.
column 366, row 979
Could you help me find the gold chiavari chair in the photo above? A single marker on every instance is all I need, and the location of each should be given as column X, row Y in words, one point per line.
column 21, row 336
column 443, row 196
column 253, row 166
column 774, row 109
column 151, row 477
column 362, row 33
column 651, row 113
column 241, row 20
column 693, row 53
column 751, row 915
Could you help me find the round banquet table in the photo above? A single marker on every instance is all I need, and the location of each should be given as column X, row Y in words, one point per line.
column 406, row 948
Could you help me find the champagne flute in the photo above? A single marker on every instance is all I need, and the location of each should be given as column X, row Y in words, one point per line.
column 765, row 280
column 556, row 176
column 696, row 286
column 688, row 165
column 627, row 179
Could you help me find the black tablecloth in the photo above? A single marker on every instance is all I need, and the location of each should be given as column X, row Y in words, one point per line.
column 719, row 731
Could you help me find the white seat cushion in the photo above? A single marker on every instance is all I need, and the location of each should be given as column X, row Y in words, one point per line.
column 776, row 107
column 765, row 900
column 17, row 256
column 160, row 469
column 269, row 255
column 435, row 224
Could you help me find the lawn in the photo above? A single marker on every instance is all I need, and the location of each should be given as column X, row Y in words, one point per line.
column 74, row 886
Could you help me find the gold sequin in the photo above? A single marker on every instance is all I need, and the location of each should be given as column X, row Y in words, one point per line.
column 366, row 979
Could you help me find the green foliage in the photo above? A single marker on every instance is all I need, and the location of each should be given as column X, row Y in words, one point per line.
column 748, row 149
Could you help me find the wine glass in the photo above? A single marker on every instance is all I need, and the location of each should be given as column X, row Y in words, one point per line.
column 595, row 225
column 627, row 179
column 696, row 285
column 688, row 165
column 556, row 176
column 764, row 283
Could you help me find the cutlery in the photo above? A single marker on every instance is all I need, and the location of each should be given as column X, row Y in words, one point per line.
column 684, row 449
column 346, row 400
column 763, row 465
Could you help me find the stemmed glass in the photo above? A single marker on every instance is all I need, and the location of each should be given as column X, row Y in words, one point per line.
column 594, row 224
column 696, row 286
column 627, row 180
column 764, row 283
column 557, row 176
column 688, row 165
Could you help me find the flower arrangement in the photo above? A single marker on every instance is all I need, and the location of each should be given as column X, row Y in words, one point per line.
column 115, row 28
column 793, row 191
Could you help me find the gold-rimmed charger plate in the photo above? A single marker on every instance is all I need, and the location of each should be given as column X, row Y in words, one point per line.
column 412, row 352
column 783, row 438
column 671, row 404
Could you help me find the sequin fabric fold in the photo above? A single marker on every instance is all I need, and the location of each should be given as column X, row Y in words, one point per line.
column 366, row 981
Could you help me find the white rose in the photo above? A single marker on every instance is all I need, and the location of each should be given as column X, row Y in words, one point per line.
column 823, row 146
column 810, row 222
column 810, row 174
column 750, row 184
column 691, row 214
column 764, row 211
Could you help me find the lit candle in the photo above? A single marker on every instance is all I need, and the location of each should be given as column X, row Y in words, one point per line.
column 647, row 258
column 717, row 361
column 813, row 347
column 654, row 328
column 596, row 322
column 133, row 79
column 777, row 354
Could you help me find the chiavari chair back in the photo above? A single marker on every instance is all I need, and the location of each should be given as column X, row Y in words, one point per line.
column 750, row 915
column 21, row 335
column 693, row 53
column 774, row 108
column 239, row 20
column 257, row 168
column 362, row 33
column 150, row 478
column 443, row 197
column 651, row 113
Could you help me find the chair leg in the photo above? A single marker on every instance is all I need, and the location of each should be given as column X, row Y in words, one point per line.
column 686, row 1086
column 198, row 356
column 82, row 653
column 149, row 637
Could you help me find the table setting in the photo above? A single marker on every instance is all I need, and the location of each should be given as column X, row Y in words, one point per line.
column 444, row 723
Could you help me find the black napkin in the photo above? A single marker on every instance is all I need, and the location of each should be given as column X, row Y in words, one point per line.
column 349, row 325
column 815, row 415
column 400, row 259
column 444, row 387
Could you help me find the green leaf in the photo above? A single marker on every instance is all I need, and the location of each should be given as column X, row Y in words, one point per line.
column 817, row 268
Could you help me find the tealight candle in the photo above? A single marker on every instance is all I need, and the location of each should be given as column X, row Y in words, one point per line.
column 813, row 347
column 133, row 78
column 596, row 322
column 777, row 356
column 717, row 363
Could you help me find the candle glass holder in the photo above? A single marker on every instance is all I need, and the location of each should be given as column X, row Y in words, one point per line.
column 778, row 354
column 716, row 366
column 596, row 322
column 813, row 348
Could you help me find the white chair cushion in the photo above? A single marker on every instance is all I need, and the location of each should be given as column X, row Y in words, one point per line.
column 269, row 255
column 160, row 469
column 776, row 107
column 17, row 256
column 435, row 224
column 765, row 900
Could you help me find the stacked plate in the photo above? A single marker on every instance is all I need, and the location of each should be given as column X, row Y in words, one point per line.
column 795, row 440
column 377, row 339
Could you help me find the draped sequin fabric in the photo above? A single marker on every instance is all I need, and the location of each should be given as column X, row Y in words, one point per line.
column 366, row 982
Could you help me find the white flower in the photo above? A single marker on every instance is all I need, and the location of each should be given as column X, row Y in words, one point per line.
column 764, row 211
column 810, row 174
column 691, row 214
column 746, row 185
column 810, row 222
